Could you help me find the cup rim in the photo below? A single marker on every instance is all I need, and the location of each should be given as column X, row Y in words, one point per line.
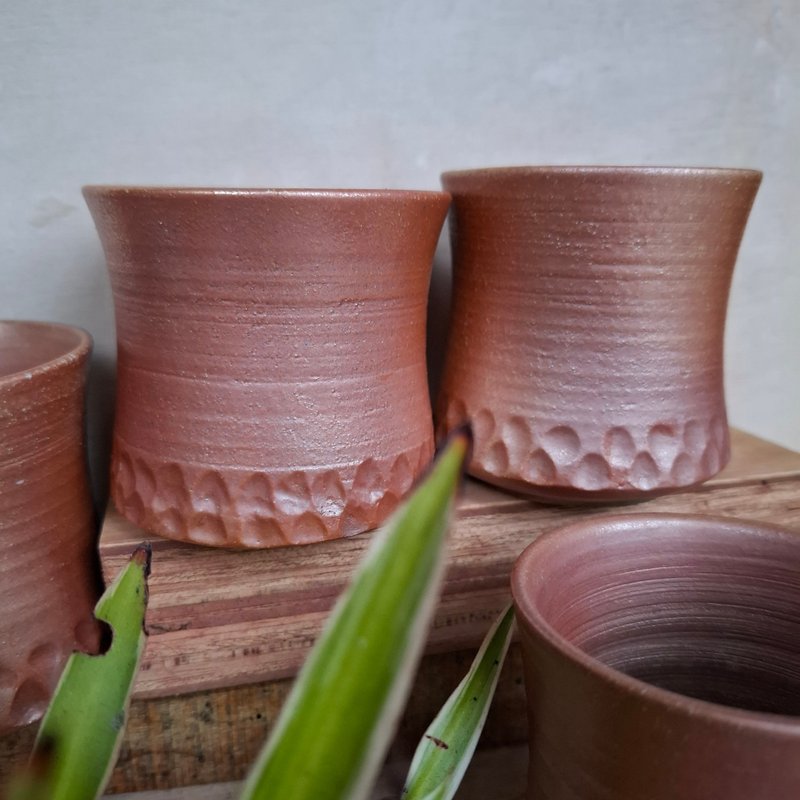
column 77, row 344
column 144, row 190
column 511, row 171
column 665, row 698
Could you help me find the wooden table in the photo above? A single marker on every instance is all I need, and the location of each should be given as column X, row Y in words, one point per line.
column 229, row 629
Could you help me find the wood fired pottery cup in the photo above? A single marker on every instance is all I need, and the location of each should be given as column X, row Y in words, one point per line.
column 48, row 577
column 272, row 386
column 662, row 659
column 587, row 326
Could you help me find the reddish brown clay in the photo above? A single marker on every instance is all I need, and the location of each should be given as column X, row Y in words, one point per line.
column 271, row 358
column 662, row 659
column 588, row 317
column 47, row 581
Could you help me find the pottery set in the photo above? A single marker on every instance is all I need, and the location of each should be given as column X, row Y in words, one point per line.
column 46, row 517
column 662, row 659
column 587, row 326
column 272, row 390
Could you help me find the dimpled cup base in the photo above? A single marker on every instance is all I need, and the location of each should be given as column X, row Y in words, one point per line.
column 567, row 464
column 259, row 509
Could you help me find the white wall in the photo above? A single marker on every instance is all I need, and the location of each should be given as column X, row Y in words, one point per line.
column 389, row 93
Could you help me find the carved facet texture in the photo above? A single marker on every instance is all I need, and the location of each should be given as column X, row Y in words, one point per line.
column 587, row 327
column 661, row 656
column 272, row 386
column 233, row 508
column 588, row 462
column 47, row 583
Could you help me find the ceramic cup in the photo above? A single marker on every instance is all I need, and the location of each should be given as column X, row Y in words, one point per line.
column 48, row 581
column 662, row 659
column 587, row 327
column 272, row 386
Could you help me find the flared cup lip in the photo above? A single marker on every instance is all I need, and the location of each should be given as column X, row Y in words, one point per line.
column 729, row 716
column 99, row 190
column 77, row 344
column 502, row 172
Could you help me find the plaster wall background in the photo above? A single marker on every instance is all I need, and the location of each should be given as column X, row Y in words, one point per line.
column 388, row 94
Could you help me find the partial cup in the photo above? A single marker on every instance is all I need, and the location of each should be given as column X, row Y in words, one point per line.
column 49, row 578
column 662, row 659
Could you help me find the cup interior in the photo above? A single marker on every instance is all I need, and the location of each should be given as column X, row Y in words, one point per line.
column 27, row 346
column 706, row 608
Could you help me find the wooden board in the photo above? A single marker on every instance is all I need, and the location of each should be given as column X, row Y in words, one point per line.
column 224, row 618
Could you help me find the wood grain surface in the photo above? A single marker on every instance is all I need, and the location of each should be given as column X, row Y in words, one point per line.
column 228, row 629
column 222, row 618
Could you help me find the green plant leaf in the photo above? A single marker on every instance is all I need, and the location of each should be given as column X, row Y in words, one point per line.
column 332, row 735
column 445, row 750
column 80, row 734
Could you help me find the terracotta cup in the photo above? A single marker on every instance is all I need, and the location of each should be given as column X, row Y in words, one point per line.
column 272, row 386
column 587, row 327
column 662, row 659
column 48, row 580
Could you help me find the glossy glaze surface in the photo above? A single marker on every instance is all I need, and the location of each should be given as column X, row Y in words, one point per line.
column 272, row 386
column 47, row 580
column 588, row 320
column 662, row 659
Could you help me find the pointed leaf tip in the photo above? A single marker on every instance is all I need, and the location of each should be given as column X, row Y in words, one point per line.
column 143, row 556
column 461, row 439
column 463, row 431
column 446, row 749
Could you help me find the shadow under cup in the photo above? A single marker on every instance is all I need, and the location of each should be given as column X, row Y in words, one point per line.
column 662, row 659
